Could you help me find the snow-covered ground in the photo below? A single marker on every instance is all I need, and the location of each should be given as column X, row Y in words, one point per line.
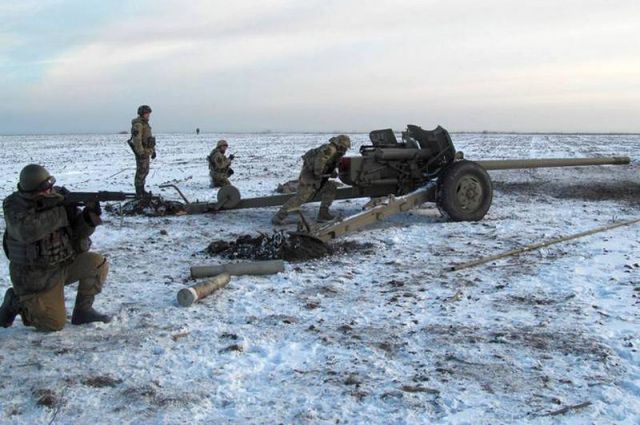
column 374, row 337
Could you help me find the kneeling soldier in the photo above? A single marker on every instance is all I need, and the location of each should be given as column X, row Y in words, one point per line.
column 47, row 243
column 319, row 165
column 220, row 165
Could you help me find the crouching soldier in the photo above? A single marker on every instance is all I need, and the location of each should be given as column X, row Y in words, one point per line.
column 47, row 243
column 220, row 165
column 318, row 167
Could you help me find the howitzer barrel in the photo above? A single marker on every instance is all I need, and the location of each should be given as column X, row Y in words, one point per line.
column 513, row 164
column 235, row 269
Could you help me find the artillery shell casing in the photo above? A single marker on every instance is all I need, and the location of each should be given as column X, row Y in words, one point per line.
column 237, row 269
column 188, row 296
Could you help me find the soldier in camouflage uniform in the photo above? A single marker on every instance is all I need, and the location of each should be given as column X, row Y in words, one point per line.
column 47, row 243
column 220, row 165
column 318, row 167
column 143, row 145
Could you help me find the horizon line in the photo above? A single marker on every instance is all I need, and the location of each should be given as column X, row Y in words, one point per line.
column 120, row 133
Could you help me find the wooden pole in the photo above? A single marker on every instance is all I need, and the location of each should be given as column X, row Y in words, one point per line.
column 190, row 295
column 539, row 245
column 236, row 269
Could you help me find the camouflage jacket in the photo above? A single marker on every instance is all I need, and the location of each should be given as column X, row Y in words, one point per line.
column 42, row 237
column 318, row 163
column 142, row 141
column 218, row 162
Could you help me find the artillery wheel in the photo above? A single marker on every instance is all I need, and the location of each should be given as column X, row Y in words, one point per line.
column 464, row 192
column 228, row 197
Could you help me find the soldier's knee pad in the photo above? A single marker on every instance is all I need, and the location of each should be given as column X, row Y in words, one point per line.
column 51, row 325
column 103, row 271
column 100, row 269
column 48, row 321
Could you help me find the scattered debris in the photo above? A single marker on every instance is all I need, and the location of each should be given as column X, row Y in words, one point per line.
column 290, row 247
column 176, row 337
column 46, row 397
column 233, row 347
column 419, row 389
column 568, row 408
column 150, row 207
column 279, row 245
column 353, row 379
column 101, row 381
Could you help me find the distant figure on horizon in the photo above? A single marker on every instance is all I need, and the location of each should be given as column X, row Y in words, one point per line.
column 143, row 145
column 197, row 131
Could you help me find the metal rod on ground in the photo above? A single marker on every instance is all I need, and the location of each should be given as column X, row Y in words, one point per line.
column 188, row 296
column 236, row 269
column 539, row 245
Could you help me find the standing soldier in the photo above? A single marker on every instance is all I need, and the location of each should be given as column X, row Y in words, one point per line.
column 319, row 165
column 220, row 165
column 47, row 243
column 143, row 145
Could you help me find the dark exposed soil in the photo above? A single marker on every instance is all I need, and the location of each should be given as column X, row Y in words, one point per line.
column 101, row 381
column 46, row 397
column 290, row 247
column 151, row 207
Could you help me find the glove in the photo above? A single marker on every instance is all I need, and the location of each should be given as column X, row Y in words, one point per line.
column 94, row 207
column 91, row 217
column 153, row 155
column 230, row 172
column 232, row 157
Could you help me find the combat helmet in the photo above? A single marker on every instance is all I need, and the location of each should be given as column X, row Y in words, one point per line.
column 35, row 178
column 342, row 142
column 221, row 143
column 144, row 109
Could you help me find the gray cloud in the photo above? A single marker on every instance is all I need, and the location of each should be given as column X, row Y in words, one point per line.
column 325, row 65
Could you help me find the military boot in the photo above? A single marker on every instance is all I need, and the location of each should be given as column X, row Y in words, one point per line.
column 10, row 308
column 279, row 218
column 83, row 312
column 324, row 215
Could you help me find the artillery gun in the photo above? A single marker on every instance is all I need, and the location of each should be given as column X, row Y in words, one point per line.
column 423, row 167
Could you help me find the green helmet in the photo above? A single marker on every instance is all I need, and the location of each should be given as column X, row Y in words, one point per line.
column 342, row 142
column 144, row 109
column 35, row 178
column 221, row 143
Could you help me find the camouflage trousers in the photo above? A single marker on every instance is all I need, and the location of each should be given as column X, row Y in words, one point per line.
column 142, row 170
column 306, row 192
column 219, row 179
column 46, row 310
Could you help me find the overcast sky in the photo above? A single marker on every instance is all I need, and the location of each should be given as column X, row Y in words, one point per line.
column 320, row 65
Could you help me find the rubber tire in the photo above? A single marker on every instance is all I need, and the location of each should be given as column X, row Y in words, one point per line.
column 230, row 195
column 447, row 200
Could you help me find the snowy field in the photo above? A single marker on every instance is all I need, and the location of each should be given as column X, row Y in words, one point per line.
column 374, row 337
